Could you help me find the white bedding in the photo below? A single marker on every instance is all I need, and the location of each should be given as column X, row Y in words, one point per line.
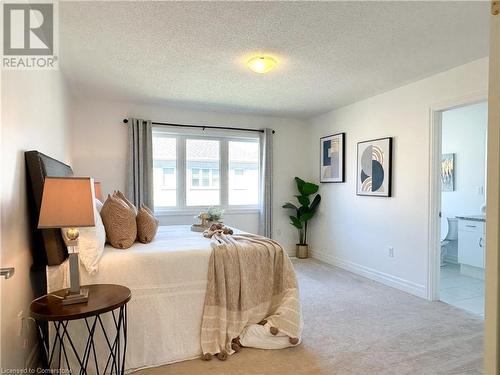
column 168, row 279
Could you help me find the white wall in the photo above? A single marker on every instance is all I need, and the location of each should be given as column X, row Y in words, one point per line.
column 34, row 116
column 355, row 232
column 99, row 149
column 464, row 134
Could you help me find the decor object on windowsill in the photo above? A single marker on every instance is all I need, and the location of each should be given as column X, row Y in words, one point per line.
column 374, row 168
column 304, row 212
column 202, row 223
column 68, row 203
column 215, row 214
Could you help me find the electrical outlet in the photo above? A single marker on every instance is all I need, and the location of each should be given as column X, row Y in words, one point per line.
column 391, row 252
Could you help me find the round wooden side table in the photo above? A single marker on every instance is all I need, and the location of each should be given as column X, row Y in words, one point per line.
column 64, row 352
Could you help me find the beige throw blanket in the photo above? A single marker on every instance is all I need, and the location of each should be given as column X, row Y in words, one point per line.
column 250, row 278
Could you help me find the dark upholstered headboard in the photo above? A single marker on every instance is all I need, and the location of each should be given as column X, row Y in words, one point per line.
column 48, row 246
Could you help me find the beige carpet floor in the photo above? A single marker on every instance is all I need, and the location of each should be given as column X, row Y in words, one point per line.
column 357, row 326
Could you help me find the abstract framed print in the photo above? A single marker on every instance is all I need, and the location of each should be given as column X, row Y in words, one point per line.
column 332, row 158
column 374, row 168
column 448, row 172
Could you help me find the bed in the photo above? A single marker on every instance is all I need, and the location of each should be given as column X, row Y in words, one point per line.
column 167, row 277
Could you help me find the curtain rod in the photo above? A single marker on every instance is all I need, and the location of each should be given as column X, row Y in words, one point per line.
column 205, row 127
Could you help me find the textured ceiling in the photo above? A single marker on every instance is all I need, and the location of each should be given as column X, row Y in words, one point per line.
column 331, row 53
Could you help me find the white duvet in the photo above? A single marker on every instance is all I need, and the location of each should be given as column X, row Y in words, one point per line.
column 168, row 279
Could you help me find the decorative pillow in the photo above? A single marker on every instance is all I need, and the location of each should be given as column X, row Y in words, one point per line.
column 91, row 242
column 148, row 209
column 122, row 196
column 119, row 221
column 147, row 225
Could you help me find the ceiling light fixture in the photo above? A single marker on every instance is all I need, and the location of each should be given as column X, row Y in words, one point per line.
column 261, row 64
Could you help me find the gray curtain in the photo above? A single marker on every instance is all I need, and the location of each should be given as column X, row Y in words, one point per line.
column 266, row 183
column 140, row 162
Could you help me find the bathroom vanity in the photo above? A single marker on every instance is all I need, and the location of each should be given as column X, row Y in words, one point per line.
column 471, row 245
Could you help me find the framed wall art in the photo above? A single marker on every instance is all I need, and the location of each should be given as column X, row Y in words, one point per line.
column 332, row 155
column 448, row 172
column 374, row 168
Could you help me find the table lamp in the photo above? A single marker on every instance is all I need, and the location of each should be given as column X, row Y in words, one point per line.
column 68, row 203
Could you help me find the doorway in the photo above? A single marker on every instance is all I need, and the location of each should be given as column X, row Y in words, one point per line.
column 462, row 223
column 461, row 111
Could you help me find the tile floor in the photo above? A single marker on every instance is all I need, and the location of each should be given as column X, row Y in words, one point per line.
column 464, row 292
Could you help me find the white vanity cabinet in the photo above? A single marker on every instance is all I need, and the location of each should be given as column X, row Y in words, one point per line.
column 471, row 242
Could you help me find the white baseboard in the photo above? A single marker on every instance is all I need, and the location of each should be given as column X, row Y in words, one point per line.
column 451, row 259
column 370, row 273
column 471, row 271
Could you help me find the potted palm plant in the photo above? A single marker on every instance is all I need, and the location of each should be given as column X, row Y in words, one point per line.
column 308, row 204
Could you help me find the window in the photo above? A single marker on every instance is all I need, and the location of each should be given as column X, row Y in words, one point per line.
column 243, row 172
column 209, row 178
column 195, row 177
column 164, row 170
column 202, row 168
column 169, row 178
column 192, row 172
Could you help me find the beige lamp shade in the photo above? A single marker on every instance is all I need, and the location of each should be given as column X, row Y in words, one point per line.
column 67, row 202
column 98, row 190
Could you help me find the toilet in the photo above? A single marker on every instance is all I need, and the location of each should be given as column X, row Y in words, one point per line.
column 449, row 232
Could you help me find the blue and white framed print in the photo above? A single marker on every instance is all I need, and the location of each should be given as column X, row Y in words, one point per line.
column 332, row 161
column 374, row 171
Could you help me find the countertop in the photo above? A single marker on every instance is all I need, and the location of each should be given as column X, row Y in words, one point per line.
column 472, row 217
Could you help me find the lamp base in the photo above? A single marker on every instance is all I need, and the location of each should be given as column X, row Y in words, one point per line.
column 74, row 298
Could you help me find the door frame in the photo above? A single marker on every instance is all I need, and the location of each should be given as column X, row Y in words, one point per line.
column 492, row 293
column 434, row 223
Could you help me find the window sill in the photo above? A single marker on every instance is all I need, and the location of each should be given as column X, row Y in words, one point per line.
column 195, row 211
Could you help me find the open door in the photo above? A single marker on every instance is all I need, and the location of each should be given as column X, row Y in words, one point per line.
column 492, row 326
